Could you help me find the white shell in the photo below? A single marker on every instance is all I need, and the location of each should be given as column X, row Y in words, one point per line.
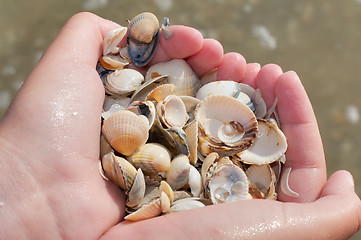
column 269, row 145
column 180, row 74
column 284, row 184
column 113, row 38
column 172, row 111
column 137, row 191
column 178, row 174
column 147, row 211
column 228, row 88
column 123, row 81
column 186, row 204
column 113, row 62
column 195, row 182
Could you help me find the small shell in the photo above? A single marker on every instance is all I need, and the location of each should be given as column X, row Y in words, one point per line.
column 191, row 131
column 119, row 171
column 113, row 62
column 161, row 92
column 172, row 111
column 269, row 145
column 123, row 81
column 142, row 91
column 180, row 74
column 152, row 158
column 178, row 174
column 147, row 211
column 261, row 177
column 143, row 37
column 105, row 147
column 221, row 122
column 137, row 191
column 186, row 204
column 146, row 109
column 207, row 163
column 164, row 187
column 284, row 184
column 164, row 202
column 228, row 183
column 228, row 88
column 195, row 182
column 112, row 39
column 125, row 131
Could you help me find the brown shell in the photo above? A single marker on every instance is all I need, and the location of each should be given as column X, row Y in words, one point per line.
column 143, row 27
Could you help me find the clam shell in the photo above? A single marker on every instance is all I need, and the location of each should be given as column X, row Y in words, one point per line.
column 143, row 37
column 164, row 187
column 112, row 39
column 180, row 74
column 136, row 193
column 195, row 182
column 172, row 111
column 152, row 158
column 161, row 92
column 191, row 131
column 269, row 145
column 261, row 177
column 147, row 211
column 217, row 113
column 123, row 81
column 228, row 88
column 125, row 131
column 186, row 204
column 113, row 62
column 119, row 171
column 178, row 173
column 142, row 91
column 228, row 183
column 146, row 109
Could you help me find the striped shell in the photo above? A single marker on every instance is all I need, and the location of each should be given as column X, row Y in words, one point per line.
column 125, row 131
column 123, row 81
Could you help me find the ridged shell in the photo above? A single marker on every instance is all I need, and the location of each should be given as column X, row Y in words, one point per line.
column 147, row 211
column 228, row 88
column 143, row 37
column 221, row 119
column 152, row 158
column 269, row 145
column 191, row 131
column 172, row 111
column 136, row 193
column 161, row 92
column 228, row 183
column 180, row 74
column 262, row 177
column 112, row 39
column 146, row 109
column 113, row 62
column 178, row 173
column 123, row 81
column 142, row 91
column 125, row 131
column 119, row 171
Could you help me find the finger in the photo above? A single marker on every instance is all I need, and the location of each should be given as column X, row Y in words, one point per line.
column 252, row 70
column 335, row 215
column 185, row 42
column 209, row 57
column 233, row 67
column 305, row 152
column 265, row 81
column 64, row 89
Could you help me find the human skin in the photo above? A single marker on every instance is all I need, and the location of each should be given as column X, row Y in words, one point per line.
column 50, row 187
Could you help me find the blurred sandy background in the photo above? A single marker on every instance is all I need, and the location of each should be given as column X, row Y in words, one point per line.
column 320, row 40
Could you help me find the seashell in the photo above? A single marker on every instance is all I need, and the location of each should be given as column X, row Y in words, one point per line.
column 123, row 81
column 147, row 211
column 123, row 53
column 152, row 158
column 227, row 183
column 225, row 125
column 262, row 177
column 143, row 37
column 195, row 182
column 105, row 147
column 210, row 76
column 143, row 91
column 161, row 92
column 190, row 103
column 103, row 73
column 164, row 187
column 172, row 111
column 136, row 193
column 253, row 99
column 207, row 163
column 122, row 101
column 228, row 88
column 187, row 204
column 180, row 74
column 284, row 184
column 178, row 173
column 191, row 131
column 165, row 30
column 113, row 62
column 119, row 171
column 125, row 131
column 112, row 39
column 146, row 109
column 164, row 202
column 269, row 145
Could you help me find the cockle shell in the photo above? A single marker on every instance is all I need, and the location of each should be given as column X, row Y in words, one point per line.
column 269, row 145
column 178, row 173
column 225, row 125
column 112, row 39
column 146, row 109
column 113, row 62
column 125, row 131
column 227, row 183
column 188, row 203
column 119, row 171
column 143, row 91
column 137, row 191
column 191, row 131
column 180, row 74
column 152, row 158
column 147, row 211
column 161, row 92
column 123, row 81
column 228, row 88
column 263, row 179
column 143, row 37
column 172, row 111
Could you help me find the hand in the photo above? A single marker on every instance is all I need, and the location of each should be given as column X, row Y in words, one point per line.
column 50, row 186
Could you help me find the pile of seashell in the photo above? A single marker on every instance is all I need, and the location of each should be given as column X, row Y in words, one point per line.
column 172, row 143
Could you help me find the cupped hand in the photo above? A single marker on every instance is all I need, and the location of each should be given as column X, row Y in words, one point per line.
column 50, row 186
